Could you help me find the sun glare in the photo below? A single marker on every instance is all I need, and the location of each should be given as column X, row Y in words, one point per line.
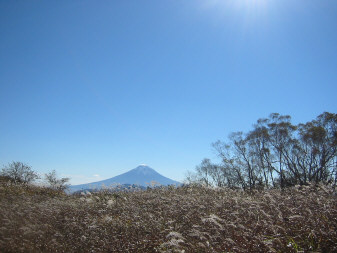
column 248, row 5
column 248, row 12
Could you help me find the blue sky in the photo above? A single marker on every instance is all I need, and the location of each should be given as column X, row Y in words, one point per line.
column 94, row 88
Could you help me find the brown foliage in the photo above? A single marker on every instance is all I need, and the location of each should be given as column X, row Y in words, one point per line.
column 186, row 219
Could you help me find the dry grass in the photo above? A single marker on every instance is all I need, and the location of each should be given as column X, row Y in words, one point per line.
column 194, row 219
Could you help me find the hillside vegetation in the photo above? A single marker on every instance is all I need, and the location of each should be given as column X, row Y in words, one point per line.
column 185, row 219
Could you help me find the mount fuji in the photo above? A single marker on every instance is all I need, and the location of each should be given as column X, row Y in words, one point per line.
column 142, row 176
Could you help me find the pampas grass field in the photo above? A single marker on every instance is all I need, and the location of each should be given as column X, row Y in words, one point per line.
column 185, row 219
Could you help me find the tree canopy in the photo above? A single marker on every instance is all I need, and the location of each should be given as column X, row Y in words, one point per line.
column 275, row 153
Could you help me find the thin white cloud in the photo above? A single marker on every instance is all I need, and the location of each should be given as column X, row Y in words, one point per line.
column 76, row 179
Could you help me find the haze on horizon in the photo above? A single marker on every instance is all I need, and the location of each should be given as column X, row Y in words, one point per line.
column 93, row 89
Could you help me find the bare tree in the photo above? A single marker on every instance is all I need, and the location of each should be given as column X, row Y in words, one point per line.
column 231, row 166
column 318, row 147
column 204, row 172
column 275, row 153
column 56, row 183
column 19, row 172
column 259, row 143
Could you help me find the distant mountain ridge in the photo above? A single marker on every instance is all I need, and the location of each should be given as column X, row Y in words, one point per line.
column 143, row 175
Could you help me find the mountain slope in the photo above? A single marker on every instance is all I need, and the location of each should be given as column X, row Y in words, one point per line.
column 142, row 175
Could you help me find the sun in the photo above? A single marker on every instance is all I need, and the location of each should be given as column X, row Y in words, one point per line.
column 249, row 12
column 252, row 5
